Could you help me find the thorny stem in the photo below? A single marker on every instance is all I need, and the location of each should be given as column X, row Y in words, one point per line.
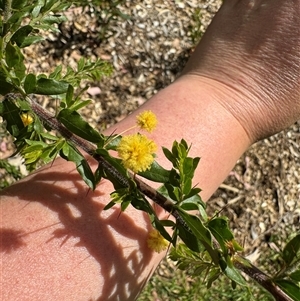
column 90, row 149
column 249, row 269
column 6, row 14
column 264, row 280
column 7, row 10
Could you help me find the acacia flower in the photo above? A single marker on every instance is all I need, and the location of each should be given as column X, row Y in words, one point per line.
column 146, row 121
column 156, row 241
column 26, row 119
column 136, row 152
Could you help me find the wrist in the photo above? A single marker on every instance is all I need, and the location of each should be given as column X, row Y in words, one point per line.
column 190, row 109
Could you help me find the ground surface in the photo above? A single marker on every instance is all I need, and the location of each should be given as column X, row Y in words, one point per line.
column 261, row 196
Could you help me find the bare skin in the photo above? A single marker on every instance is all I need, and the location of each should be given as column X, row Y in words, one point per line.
column 59, row 244
column 253, row 48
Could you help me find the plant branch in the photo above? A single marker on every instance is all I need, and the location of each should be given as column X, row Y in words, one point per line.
column 90, row 149
column 6, row 15
column 263, row 279
column 249, row 269
column 7, row 10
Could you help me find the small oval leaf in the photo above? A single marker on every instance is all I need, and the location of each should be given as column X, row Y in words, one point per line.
column 47, row 86
column 13, row 55
column 75, row 123
column 20, row 35
column 156, row 173
column 30, row 83
column 291, row 250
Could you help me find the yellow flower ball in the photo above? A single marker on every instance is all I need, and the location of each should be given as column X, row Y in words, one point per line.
column 147, row 121
column 26, row 119
column 136, row 152
column 156, row 241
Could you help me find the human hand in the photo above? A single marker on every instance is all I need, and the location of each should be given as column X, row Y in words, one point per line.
column 252, row 48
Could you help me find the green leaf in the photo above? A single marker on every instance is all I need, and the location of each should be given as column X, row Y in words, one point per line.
column 200, row 269
column 172, row 192
column 33, row 156
column 37, row 8
column 290, row 288
column 17, row 4
column 13, row 55
column 10, row 113
column 63, row 6
column 169, row 156
column 48, row 86
column 174, row 178
column 188, row 206
column 291, row 250
column 232, row 273
column 167, row 223
column 24, row 105
column 195, row 203
column 213, row 275
column 75, row 123
column 188, row 166
column 236, row 246
column 17, row 17
column 219, row 228
column 30, row 83
column 50, row 152
column 112, row 142
column 175, row 150
column 47, row 27
column 119, row 195
column 31, row 40
column 187, row 185
column 109, row 205
column 193, row 192
column 19, row 36
column 33, row 151
column 48, row 5
column 78, row 104
column 295, row 276
column 196, row 161
column 70, row 153
column 201, row 232
column 156, row 173
column 196, row 226
column 80, row 64
column 55, row 6
column 5, row 87
column 49, row 136
column 140, row 203
column 54, row 19
column 185, row 146
column 34, row 145
column 56, row 74
column 189, row 239
column 69, row 96
column 160, row 227
column 125, row 204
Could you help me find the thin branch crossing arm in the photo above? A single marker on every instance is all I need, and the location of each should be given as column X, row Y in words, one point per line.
column 90, row 149
column 249, row 269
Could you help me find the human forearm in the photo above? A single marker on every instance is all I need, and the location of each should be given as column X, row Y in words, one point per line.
column 190, row 109
column 65, row 246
